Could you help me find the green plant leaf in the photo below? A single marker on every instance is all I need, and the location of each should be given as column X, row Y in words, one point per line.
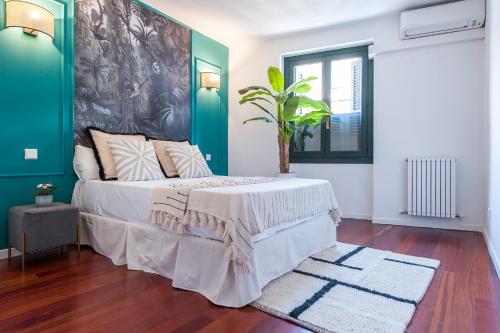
column 265, row 110
column 302, row 88
column 256, row 93
column 291, row 107
column 292, row 87
column 248, row 96
column 312, row 118
column 248, row 89
column 276, row 79
column 309, row 103
column 315, row 114
column 264, row 119
column 308, row 122
column 253, row 99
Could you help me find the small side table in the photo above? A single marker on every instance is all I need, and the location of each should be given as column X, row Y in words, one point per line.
column 33, row 228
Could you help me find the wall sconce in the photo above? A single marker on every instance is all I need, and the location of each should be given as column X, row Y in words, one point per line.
column 210, row 80
column 32, row 18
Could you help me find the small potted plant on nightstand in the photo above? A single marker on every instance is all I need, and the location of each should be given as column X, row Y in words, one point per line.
column 44, row 194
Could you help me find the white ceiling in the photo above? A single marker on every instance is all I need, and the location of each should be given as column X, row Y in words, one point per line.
column 272, row 17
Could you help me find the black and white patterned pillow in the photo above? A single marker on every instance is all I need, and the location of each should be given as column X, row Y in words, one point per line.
column 188, row 160
column 135, row 160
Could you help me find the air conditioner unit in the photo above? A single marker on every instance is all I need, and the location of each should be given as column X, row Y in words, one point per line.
column 442, row 19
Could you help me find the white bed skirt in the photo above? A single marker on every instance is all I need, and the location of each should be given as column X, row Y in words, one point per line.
column 199, row 264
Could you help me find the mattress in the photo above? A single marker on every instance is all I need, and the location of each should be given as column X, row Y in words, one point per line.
column 131, row 201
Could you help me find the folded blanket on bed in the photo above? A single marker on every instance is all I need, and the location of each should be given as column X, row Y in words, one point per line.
column 238, row 212
column 170, row 201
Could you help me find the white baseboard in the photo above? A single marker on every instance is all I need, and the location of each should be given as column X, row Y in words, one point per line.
column 356, row 216
column 423, row 223
column 4, row 254
column 494, row 257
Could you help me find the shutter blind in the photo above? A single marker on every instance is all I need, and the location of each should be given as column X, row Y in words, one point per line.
column 356, row 86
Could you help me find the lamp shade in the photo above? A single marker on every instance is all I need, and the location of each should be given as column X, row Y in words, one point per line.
column 29, row 16
column 210, row 80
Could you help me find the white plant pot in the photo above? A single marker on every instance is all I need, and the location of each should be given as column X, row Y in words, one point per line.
column 286, row 175
column 44, row 200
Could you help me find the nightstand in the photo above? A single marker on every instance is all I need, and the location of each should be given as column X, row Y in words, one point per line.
column 33, row 228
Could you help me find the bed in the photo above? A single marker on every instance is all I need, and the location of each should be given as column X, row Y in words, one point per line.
column 117, row 223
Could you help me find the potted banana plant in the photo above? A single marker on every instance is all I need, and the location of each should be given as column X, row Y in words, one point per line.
column 287, row 108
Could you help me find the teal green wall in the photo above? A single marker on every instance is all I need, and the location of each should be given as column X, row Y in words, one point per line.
column 36, row 108
column 36, row 94
column 209, row 116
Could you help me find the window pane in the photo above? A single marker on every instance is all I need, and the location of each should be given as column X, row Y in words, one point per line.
column 346, row 96
column 308, row 138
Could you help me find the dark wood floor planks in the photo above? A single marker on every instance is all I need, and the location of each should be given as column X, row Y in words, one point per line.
column 60, row 294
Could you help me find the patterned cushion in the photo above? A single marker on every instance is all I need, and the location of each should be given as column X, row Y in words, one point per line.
column 164, row 157
column 107, row 168
column 188, row 160
column 135, row 160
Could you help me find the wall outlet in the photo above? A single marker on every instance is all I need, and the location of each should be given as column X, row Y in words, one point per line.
column 208, row 157
column 30, row 154
column 489, row 213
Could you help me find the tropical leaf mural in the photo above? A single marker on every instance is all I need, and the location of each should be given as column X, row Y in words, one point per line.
column 132, row 69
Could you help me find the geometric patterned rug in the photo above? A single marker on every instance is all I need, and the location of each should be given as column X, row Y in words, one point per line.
column 350, row 288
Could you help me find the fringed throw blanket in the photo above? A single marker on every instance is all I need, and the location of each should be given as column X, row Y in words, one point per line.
column 238, row 207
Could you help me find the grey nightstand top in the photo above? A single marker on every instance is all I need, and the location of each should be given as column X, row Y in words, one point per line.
column 33, row 209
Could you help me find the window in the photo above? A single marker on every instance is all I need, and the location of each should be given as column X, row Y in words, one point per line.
column 345, row 83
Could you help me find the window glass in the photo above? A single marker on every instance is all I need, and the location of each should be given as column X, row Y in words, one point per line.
column 308, row 138
column 346, row 104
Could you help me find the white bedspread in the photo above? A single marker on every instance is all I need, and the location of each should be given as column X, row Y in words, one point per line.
column 131, row 201
column 239, row 207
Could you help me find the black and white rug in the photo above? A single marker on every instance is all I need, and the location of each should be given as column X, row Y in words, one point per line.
column 350, row 288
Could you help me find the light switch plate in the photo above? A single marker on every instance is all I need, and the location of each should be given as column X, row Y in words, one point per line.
column 30, row 154
column 208, row 157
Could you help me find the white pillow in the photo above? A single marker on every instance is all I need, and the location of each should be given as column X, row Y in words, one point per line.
column 135, row 160
column 188, row 160
column 85, row 164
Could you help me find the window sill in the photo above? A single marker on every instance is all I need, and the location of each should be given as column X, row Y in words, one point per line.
column 331, row 160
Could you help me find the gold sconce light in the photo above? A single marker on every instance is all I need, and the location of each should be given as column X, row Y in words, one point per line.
column 32, row 18
column 210, row 80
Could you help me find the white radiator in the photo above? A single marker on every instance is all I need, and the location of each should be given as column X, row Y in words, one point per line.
column 431, row 187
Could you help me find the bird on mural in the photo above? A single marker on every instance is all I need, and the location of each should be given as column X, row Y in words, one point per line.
column 97, row 21
column 138, row 89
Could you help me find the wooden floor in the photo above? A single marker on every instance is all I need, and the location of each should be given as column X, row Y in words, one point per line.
column 59, row 294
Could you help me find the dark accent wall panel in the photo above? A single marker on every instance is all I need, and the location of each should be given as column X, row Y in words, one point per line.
column 132, row 71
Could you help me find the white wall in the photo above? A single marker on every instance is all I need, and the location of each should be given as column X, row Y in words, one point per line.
column 429, row 102
column 492, row 224
column 431, row 87
column 353, row 184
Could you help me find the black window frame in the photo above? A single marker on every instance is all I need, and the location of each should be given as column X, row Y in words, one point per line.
column 365, row 154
